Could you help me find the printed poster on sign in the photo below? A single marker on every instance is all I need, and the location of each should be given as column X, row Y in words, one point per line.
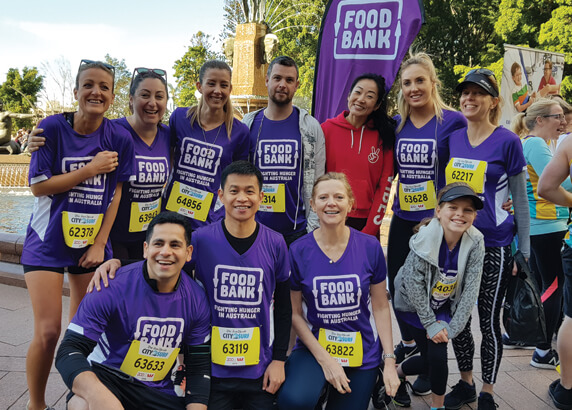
column 528, row 74
column 357, row 37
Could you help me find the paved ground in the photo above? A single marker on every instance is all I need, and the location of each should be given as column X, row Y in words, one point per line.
column 520, row 386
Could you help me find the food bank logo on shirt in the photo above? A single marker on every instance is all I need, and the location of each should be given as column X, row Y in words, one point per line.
column 93, row 184
column 417, row 153
column 367, row 29
column 277, row 154
column 336, row 293
column 162, row 332
column 151, row 172
column 200, row 156
column 238, row 285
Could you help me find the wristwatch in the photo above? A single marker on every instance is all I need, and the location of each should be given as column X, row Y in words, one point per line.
column 388, row 356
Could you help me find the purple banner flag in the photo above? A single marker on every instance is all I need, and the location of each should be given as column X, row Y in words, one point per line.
column 357, row 37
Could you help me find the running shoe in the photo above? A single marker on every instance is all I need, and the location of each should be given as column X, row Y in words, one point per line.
column 421, row 386
column 561, row 397
column 403, row 352
column 462, row 393
column 509, row 344
column 549, row 361
column 486, row 402
column 401, row 398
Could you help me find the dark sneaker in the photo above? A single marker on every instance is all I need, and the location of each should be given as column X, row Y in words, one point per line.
column 403, row 352
column 421, row 386
column 549, row 361
column 379, row 399
column 509, row 344
column 561, row 397
column 462, row 393
column 486, row 402
column 402, row 398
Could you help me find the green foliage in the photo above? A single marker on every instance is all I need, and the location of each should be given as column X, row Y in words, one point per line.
column 187, row 69
column 20, row 93
column 120, row 107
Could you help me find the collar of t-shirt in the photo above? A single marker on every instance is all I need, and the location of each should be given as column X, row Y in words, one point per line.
column 240, row 245
column 153, row 282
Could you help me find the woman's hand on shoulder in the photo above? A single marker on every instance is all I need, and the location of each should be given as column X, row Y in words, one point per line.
column 104, row 162
column 35, row 140
column 103, row 273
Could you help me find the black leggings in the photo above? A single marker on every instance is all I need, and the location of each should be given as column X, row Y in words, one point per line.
column 400, row 231
column 432, row 361
column 546, row 250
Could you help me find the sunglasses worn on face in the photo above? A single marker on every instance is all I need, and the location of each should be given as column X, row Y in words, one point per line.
column 109, row 66
column 559, row 117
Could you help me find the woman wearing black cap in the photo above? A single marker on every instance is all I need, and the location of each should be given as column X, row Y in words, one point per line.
column 437, row 287
column 489, row 158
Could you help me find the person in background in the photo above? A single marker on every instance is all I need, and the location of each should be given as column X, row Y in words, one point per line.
column 520, row 97
column 489, row 158
column 547, row 85
column 542, row 124
column 359, row 143
column 424, row 125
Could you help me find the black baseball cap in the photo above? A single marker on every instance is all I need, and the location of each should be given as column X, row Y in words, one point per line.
column 462, row 191
column 480, row 77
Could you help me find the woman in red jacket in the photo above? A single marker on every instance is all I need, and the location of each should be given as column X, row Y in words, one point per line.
column 359, row 143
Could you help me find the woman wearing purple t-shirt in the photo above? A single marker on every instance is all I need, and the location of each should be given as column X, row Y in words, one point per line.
column 140, row 199
column 421, row 153
column 206, row 139
column 338, row 288
column 490, row 159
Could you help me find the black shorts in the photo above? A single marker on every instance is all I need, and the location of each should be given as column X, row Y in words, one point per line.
column 131, row 392
column 567, row 288
column 72, row 270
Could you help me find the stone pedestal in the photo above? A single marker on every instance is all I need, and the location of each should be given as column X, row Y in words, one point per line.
column 248, row 74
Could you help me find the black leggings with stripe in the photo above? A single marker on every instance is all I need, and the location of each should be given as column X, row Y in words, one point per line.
column 497, row 269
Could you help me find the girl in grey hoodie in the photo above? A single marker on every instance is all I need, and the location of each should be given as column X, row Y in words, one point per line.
column 437, row 287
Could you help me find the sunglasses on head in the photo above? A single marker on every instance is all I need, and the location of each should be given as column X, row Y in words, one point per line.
column 109, row 66
column 144, row 70
column 484, row 71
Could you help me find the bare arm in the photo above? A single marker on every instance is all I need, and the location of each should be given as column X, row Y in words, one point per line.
column 333, row 371
column 103, row 163
column 382, row 317
column 557, row 170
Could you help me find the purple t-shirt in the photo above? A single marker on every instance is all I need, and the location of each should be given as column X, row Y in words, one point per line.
column 241, row 288
column 140, row 199
column 421, row 155
column 200, row 157
column 276, row 150
column 66, row 150
column 129, row 309
column 336, row 295
column 487, row 168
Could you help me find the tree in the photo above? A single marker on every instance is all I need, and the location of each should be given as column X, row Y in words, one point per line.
column 187, row 69
column 120, row 107
column 59, row 73
column 20, row 93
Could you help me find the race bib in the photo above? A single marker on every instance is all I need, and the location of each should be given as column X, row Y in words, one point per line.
column 148, row 362
column 142, row 213
column 191, row 202
column 345, row 347
column 274, row 198
column 235, row 346
column 417, row 197
column 80, row 229
column 442, row 291
column 470, row 171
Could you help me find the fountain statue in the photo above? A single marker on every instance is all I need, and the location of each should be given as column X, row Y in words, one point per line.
column 7, row 146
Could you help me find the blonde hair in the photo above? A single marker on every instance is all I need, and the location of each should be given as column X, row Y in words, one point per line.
column 424, row 60
column 523, row 123
column 336, row 176
column 194, row 113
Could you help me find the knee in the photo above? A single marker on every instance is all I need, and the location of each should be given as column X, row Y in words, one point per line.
column 289, row 399
column 77, row 403
column 48, row 334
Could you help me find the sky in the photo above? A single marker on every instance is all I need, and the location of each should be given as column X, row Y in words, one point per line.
column 151, row 34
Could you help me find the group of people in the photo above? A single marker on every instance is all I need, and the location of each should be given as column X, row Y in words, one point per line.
column 275, row 221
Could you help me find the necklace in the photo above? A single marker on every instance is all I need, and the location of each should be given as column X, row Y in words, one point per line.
column 216, row 137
